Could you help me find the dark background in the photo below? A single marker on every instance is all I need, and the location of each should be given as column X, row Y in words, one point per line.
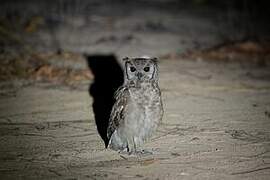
column 37, row 33
column 75, row 25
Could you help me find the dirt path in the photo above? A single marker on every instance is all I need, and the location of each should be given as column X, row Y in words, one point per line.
column 216, row 126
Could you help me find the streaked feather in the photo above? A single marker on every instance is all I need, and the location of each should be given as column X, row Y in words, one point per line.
column 117, row 113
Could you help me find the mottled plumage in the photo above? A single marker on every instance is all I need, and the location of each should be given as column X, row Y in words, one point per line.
column 138, row 109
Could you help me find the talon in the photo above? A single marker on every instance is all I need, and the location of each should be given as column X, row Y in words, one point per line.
column 145, row 152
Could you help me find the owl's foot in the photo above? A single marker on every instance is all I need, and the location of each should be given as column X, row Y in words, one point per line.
column 144, row 152
column 124, row 152
column 137, row 152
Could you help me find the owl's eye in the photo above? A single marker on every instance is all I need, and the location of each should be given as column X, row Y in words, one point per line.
column 146, row 69
column 132, row 69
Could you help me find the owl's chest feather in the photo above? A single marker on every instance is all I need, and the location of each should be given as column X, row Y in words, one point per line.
column 145, row 110
column 146, row 104
column 145, row 96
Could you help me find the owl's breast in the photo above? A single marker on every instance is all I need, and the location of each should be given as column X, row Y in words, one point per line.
column 146, row 110
column 145, row 97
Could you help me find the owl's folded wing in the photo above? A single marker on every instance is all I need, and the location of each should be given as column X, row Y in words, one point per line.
column 118, row 111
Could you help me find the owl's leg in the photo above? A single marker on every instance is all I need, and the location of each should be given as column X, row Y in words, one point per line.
column 134, row 147
column 131, row 147
column 137, row 147
column 139, row 151
column 116, row 142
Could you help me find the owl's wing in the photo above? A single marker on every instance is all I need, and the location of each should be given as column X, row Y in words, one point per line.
column 117, row 113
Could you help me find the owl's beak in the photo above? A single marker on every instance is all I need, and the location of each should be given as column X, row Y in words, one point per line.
column 139, row 75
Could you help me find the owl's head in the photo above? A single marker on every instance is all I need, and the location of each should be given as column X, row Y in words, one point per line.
column 141, row 70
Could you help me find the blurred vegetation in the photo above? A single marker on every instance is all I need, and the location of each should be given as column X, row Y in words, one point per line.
column 17, row 60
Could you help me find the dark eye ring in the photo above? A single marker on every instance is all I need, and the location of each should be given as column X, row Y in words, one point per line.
column 132, row 69
column 146, row 69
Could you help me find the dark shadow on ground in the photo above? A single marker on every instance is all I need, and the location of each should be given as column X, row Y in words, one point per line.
column 108, row 78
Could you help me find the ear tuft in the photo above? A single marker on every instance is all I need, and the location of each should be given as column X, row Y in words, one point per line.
column 125, row 59
column 154, row 59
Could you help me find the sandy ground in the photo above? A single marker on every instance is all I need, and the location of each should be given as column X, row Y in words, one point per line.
column 217, row 115
column 216, row 126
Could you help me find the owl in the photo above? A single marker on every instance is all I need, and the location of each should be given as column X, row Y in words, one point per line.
column 138, row 108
